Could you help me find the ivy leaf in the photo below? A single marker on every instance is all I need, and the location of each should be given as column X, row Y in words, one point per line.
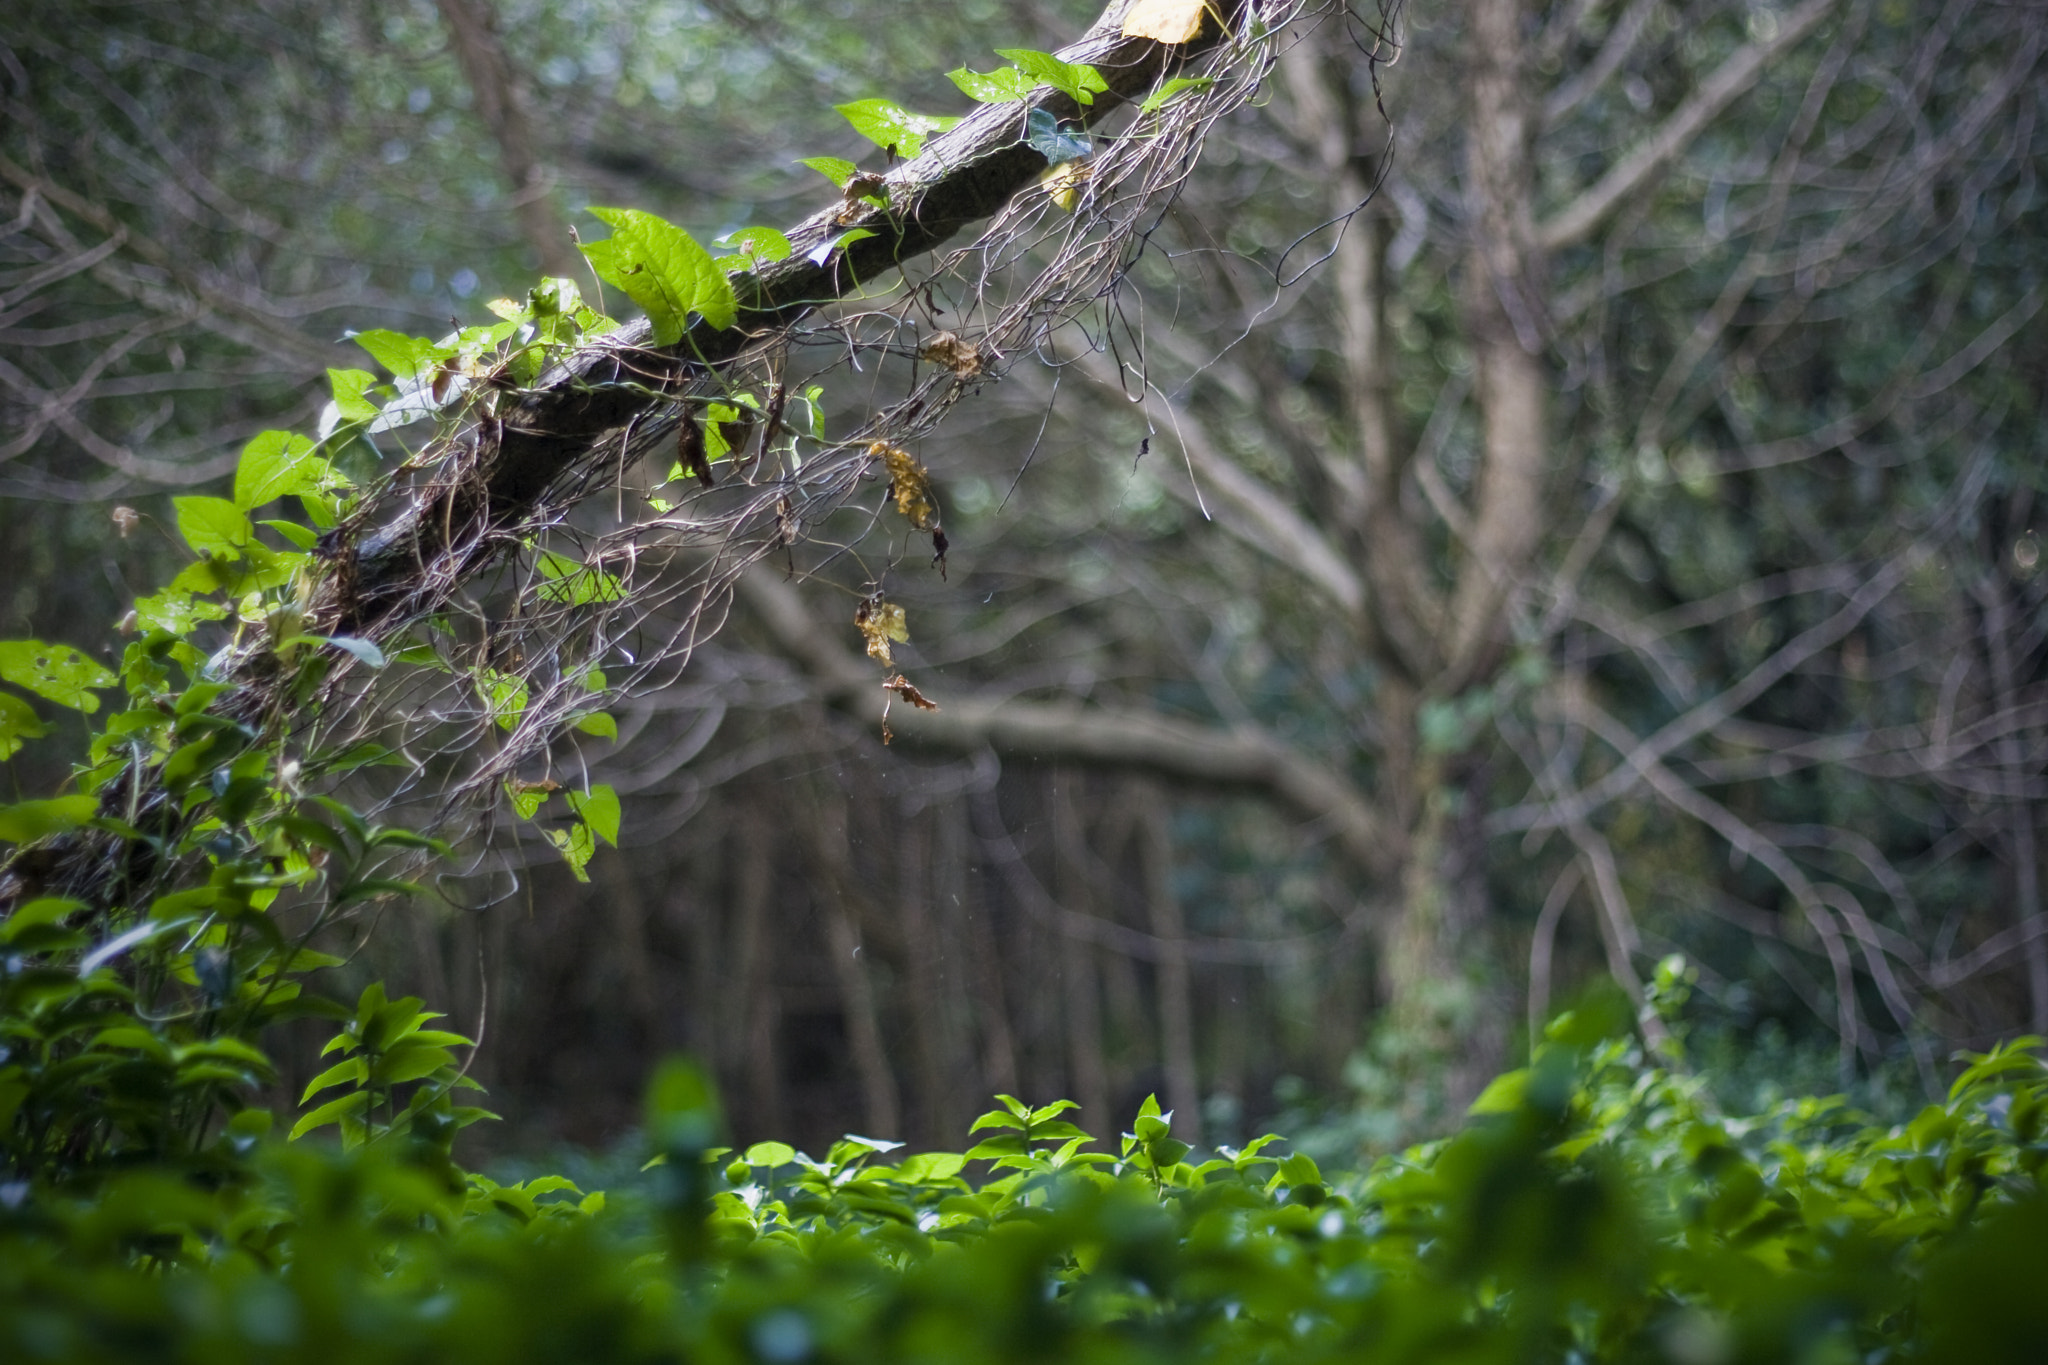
column 351, row 390
column 55, row 673
column 1000, row 86
column 1078, row 81
column 577, row 845
column 664, row 270
column 599, row 810
column 888, row 124
column 822, row 252
column 18, row 722
column 175, row 612
column 836, row 169
column 576, row 584
column 404, row 356
column 529, row 797
column 755, row 244
column 214, row 526
column 1054, row 141
column 504, row 696
column 598, row 723
column 277, row 463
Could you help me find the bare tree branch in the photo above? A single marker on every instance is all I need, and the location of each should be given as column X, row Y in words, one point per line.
column 1579, row 219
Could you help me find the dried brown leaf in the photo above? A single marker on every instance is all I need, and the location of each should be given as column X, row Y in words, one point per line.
column 946, row 348
column 904, row 688
column 690, row 452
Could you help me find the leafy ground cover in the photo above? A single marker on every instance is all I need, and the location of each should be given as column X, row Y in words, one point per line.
column 1594, row 1206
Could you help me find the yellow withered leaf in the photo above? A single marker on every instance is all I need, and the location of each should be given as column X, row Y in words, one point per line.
column 1063, row 183
column 880, row 622
column 911, row 482
column 1165, row 21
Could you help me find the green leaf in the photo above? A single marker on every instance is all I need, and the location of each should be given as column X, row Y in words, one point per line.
column 277, row 463
column 19, row 722
column 822, row 252
column 352, row 644
column 838, row 170
column 39, row 913
column 931, row 1166
column 1167, row 1151
column 504, row 695
column 1503, row 1094
column 1058, row 143
column 1003, row 1144
column 175, row 612
column 526, row 800
column 1078, row 81
column 755, row 244
column 407, row 1062
column 213, row 526
column 55, row 673
column 349, row 1072
column 577, row 845
column 888, row 124
column 348, row 1106
column 664, row 270
column 301, row 537
column 575, row 583
column 770, row 1154
column 599, row 810
column 1159, row 98
column 1299, row 1169
column 351, row 390
column 1000, row 86
column 404, row 356
column 598, row 723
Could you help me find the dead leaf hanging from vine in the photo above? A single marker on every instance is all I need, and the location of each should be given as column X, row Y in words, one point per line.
column 690, row 453
column 912, row 484
column 880, row 622
column 902, row 687
column 946, row 348
column 905, row 689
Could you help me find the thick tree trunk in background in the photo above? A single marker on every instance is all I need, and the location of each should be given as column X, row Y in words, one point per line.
column 1436, row 970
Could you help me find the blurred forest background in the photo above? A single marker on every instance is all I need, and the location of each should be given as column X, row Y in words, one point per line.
column 1573, row 502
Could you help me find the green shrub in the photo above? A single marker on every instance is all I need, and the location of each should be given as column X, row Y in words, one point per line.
column 1592, row 1208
